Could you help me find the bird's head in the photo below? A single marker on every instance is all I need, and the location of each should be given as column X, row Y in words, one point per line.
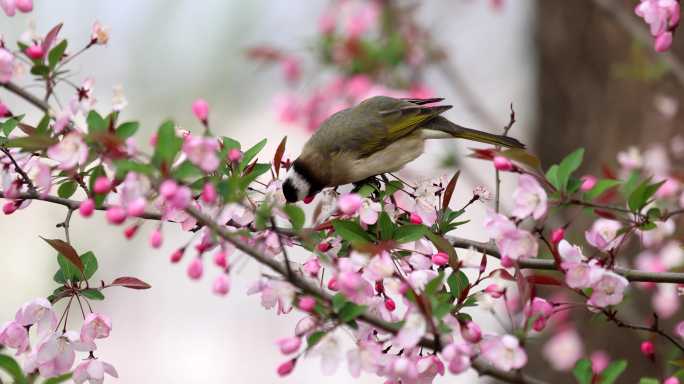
column 299, row 184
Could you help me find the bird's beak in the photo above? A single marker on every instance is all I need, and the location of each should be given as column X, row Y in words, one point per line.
column 308, row 199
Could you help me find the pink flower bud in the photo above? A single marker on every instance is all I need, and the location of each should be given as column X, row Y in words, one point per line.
column 209, row 193
column 403, row 288
column 679, row 329
column 116, row 215
column 557, row 235
column 306, row 303
column 86, row 207
column 507, row 262
column 9, row 208
column 286, row 368
column 663, row 42
column 648, row 349
column 323, row 246
column 195, row 269
column 221, row 285
column 440, row 259
column 312, row 267
column 4, row 111
column 671, row 380
column 349, row 204
column 599, row 361
column 35, row 52
column 234, row 155
column 415, row 218
column 289, row 345
column 177, row 255
column 332, row 284
column 220, row 259
column 471, row 332
column 102, row 185
column 131, row 231
column 201, row 110
column 181, row 199
column 390, row 305
column 155, row 239
column 502, row 164
column 136, row 207
column 168, row 188
column 24, row 5
column 588, row 182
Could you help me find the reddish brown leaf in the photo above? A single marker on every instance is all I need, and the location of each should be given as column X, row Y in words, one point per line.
column 250, row 167
column 51, row 37
column 605, row 214
column 608, row 172
column 130, row 282
column 449, row 191
column 278, row 158
column 483, row 263
column 543, row 280
column 464, row 294
column 66, row 250
column 502, row 273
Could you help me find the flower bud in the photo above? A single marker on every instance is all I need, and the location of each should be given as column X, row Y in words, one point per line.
column 588, row 182
column 200, row 108
column 131, row 231
column 494, row 290
column 557, row 235
column 209, row 193
column 35, row 52
column 156, row 239
column 471, row 332
column 116, row 215
column 195, row 269
column 671, row 380
column 323, row 246
column 86, row 207
column 286, row 368
column 306, row 303
column 168, row 188
column 414, row 218
column 648, row 349
column 502, row 164
column 137, row 207
column 102, row 184
column 9, row 208
column 177, row 255
column 440, row 259
column 24, row 5
column 234, row 155
column 220, row 259
column 663, row 42
column 332, row 284
column 390, row 305
column 221, row 285
column 349, row 204
column 289, row 345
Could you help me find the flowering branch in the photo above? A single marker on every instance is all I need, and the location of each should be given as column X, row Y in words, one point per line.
column 17, row 90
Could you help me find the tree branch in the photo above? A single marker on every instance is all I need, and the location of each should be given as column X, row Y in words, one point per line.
column 17, row 90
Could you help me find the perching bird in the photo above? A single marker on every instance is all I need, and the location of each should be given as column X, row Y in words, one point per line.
column 379, row 135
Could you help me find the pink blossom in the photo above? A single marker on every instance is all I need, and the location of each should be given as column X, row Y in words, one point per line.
column 195, row 269
column 647, row 348
column 404, row 369
column 221, row 285
column 440, row 259
column 414, row 218
column 494, row 290
column 557, row 235
column 291, row 69
column 102, row 184
column 362, row 19
column 458, row 357
column 69, row 152
column 289, row 345
column 671, row 380
column 609, row 290
column 630, row 159
column 286, row 368
column 666, row 301
column 92, row 371
column 24, row 5
column 95, row 326
column 35, row 52
column 679, row 329
column 209, row 193
column 55, row 354
column 390, row 305
column 669, row 188
column 306, row 303
column 9, row 6
column 599, row 361
column 529, row 198
column 9, row 207
column 156, row 239
column 428, row 368
column 201, row 151
column 37, row 311
column 539, row 311
column 563, row 350
column 115, row 215
column 220, row 259
column 502, row 164
column 234, row 155
column 43, row 177
column 497, row 225
column 588, row 182
column 604, row 234
column 200, row 108
column 504, row 352
column 412, row 331
column 131, row 231
column 369, row 211
column 6, row 62
column 168, row 189
column 662, row 17
column 518, row 244
column 663, row 42
column 578, row 272
column 177, row 255
column 482, row 193
column 471, row 332
column 14, row 335
column 349, row 203
column 99, row 34
column 379, row 267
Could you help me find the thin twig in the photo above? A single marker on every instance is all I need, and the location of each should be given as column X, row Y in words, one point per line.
column 288, row 268
column 497, row 174
column 17, row 90
column 20, row 171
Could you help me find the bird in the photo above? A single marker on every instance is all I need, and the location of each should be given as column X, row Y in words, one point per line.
column 379, row 135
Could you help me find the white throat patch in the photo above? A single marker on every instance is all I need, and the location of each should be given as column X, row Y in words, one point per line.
column 299, row 183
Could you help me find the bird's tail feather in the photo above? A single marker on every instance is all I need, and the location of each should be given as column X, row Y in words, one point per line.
column 440, row 123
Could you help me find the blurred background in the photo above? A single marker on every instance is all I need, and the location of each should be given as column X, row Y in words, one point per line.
column 574, row 76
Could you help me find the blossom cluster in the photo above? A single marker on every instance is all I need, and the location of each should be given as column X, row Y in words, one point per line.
column 662, row 16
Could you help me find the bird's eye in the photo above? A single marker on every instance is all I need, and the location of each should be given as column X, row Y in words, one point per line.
column 290, row 192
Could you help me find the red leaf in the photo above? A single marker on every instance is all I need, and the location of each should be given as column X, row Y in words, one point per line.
column 449, row 191
column 130, row 282
column 51, row 37
column 67, row 251
column 483, row 263
column 608, row 172
column 543, row 280
column 278, row 158
column 605, row 214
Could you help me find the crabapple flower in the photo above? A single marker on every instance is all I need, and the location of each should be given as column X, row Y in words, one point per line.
column 609, row 290
column 349, row 203
column 679, row 329
column 102, row 184
column 37, row 311
column 518, row 244
column 604, row 234
column 221, row 285
column 6, row 65
column 538, row 310
column 195, row 269
column 115, row 215
column 630, row 159
column 440, row 259
column 156, row 239
column 209, row 193
column 10, row 6
column 471, row 332
column 14, row 335
column 578, row 272
column 289, row 345
column 312, row 267
column 70, row 152
column 201, row 151
column 92, row 371
column 530, row 198
column 200, row 108
column 95, row 326
column 414, row 328
column 557, row 235
column 35, row 52
column 504, row 352
column 563, row 350
column 55, row 354
column 482, row 193
column 588, row 182
column 99, row 34
column 306, row 303
column 369, row 211
column 502, row 164
column 458, row 357
column 663, row 17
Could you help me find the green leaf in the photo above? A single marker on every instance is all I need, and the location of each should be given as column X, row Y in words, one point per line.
column 40, row 70
column 58, row 379
column 351, row 311
column 351, row 231
column 31, row 143
column 457, row 282
column 186, row 170
column 338, row 301
column 9, row 365
column 582, row 371
column 92, row 294
column 648, row 380
column 387, row 227
column 66, row 250
column 444, row 246
column 314, row 338
column 68, row 269
column 56, row 54
column 66, row 190
column 258, row 170
column 410, row 232
column 366, row 190
column 251, row 154
column 435, row 284
column 600, row 187
column 641, row 195
column 89, row 264
column 168, row 144
column 96, row 123
column 127, row 129
column 552, row 176
column 125, row 166
column 59, row 277
column 230, row 143
column 613, row 371
column 296, row 215
column 568, row 166
column 631, row 184
column 8, row 125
